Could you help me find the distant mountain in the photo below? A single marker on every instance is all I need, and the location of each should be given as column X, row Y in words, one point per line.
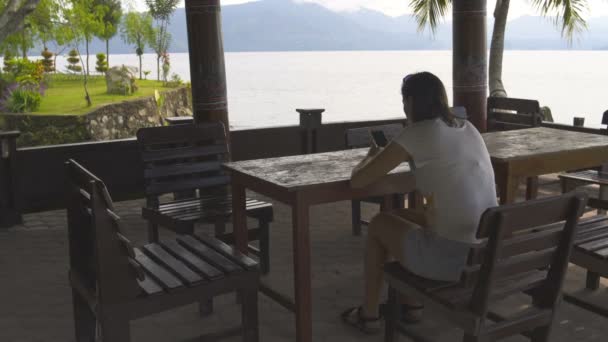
column 283, row 25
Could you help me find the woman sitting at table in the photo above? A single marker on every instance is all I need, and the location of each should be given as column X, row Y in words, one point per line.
column 453, row 172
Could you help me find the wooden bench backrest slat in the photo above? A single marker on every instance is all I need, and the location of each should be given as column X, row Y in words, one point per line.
column 524, row 238
column 361, row 137
column 94, row 226
column 183, row 158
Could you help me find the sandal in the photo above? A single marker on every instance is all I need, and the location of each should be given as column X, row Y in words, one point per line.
column 409, row 313
column 354, row 317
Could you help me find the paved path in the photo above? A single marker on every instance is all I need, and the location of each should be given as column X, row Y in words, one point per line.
column 35, row 301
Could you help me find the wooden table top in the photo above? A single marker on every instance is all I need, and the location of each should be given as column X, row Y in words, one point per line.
column 524, row 143
column 303, row 171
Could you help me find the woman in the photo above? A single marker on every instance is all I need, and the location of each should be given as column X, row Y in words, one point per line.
column 453, row 172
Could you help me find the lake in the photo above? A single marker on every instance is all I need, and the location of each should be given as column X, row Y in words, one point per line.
column 264, row 88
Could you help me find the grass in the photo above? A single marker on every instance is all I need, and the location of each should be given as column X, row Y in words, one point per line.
column 65, row 95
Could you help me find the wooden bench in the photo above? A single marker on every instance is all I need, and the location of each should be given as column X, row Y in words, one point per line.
column 113, row 282
column 516, row 258
column 186, row 160
column 360, row 138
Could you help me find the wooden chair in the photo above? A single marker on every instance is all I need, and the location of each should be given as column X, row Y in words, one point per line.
column 186, row 160
column 360, row 138
column 113, row 282
column 591, row 243
column 509, row 113
column 526, row 250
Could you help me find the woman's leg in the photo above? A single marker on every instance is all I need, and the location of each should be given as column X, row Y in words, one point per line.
column 386, row 238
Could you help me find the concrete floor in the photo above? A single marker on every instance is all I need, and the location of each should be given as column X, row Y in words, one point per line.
column 35, row 301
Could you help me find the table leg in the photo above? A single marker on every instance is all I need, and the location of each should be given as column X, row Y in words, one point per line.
column 301, row 260
column 508, row 188
column 239, row 216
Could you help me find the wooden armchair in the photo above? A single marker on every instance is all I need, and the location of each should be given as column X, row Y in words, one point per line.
column 526, row 250
column 114, row 283
column 360, row 138
column 186, row 160
column 509, row 113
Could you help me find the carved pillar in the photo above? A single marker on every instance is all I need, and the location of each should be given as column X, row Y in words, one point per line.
column 470, row 59
column 207, row 67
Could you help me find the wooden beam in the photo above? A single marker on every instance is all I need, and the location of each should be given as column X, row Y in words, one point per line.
column 207, row 66
column 470, row 59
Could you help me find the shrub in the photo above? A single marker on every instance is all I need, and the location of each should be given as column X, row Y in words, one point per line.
column 47, row 61
column 175, row 81
column 23, row 100
column 102, row 63
column 74, row 61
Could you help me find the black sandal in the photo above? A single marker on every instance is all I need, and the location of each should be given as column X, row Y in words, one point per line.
column 354, row 317
column 409, row 313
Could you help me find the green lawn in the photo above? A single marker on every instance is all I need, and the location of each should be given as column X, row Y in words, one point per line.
column 66, row 95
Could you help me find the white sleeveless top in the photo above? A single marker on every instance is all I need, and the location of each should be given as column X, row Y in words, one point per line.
column 453, row 165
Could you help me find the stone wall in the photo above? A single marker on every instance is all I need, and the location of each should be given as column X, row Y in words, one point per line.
column 113, row 121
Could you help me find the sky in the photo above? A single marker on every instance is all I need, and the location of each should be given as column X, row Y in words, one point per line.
column 518, row 8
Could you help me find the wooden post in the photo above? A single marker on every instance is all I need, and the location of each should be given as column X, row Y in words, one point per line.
column 470, row 59
column 9, row 210
column 310, row 122
column 207, row 67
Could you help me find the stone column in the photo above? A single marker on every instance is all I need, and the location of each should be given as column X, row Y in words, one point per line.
column 470, row 59
column 207, row 67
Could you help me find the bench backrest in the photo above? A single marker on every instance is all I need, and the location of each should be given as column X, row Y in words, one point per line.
column 361, row 137
column 522, row 239
column 102, row 260
column 510, row 113
column 183, row 158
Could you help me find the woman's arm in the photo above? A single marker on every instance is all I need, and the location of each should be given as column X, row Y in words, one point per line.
column 378, row 163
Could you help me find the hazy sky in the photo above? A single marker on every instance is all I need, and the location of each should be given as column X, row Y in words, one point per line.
column 398, row 7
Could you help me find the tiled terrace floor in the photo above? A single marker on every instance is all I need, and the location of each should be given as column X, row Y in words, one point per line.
column 35, row 301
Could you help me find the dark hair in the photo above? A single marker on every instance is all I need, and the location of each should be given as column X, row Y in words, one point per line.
column 430, row 100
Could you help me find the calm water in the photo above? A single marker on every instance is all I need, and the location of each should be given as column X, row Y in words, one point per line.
column 265, row 88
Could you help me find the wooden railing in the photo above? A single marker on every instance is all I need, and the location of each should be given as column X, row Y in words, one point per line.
column 32, row 179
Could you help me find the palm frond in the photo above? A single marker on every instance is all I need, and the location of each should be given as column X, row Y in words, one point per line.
column 568, row 13
column 429, row 12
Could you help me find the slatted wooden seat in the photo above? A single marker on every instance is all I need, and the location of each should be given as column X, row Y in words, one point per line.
column 114, row 282
column 186, row 160
column 525, row 250
column 591, row 251
column 360, row 138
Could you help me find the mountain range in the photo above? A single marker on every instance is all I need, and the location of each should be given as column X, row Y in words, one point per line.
column 283, row 25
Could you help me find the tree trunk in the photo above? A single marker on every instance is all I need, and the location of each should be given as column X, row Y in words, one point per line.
column 158, row 67
column 497, row 89
column 87, row 69
column 139, row 66
column 87, row 97
column 108, row 52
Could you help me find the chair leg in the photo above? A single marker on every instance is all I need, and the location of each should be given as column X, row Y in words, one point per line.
column 114, row 329
column 264, row 240
column 84, row 319
column 391, row 315
column 356, row 217
column 220, row 227
column 531, row 188
column 152, row 232
column 541, row 334
column 249, row 311
column 593, row 281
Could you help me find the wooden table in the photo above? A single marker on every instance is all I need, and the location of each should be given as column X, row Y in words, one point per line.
column 300, row 182
column 531, row 152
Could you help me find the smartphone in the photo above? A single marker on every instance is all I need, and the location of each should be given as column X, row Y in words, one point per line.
column 379, row 138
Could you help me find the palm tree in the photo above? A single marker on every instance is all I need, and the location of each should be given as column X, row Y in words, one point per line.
column 567, row 15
